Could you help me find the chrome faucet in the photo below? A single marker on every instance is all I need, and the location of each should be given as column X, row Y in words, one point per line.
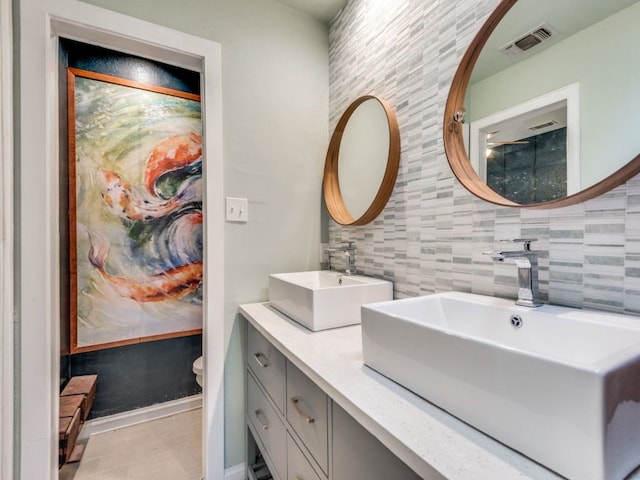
column 527, row 262
column 349, row 250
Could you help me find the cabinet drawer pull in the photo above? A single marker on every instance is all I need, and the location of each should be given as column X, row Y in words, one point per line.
column 261, row 360
column 296, row 404
column 262, row 419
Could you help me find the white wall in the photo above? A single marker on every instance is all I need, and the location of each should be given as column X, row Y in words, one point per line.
column 275, row 115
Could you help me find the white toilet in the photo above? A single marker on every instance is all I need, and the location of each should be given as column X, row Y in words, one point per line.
column 198, row 368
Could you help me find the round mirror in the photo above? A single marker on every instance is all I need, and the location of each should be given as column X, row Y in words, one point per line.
column 362, row 162
column 544, row 107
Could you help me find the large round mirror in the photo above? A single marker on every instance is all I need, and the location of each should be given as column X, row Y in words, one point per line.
column 544, row 107
column 362, row 162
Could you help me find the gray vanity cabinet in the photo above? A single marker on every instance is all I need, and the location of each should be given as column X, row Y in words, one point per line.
column 358, row 454
column 301, row 433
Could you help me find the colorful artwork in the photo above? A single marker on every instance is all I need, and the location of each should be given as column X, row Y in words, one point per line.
column 135, row 176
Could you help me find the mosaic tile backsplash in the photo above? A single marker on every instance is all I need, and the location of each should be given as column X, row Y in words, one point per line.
column 432, row 234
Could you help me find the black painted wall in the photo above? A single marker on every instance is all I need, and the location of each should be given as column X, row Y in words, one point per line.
column 134, row 376
column 143, row 374
column 102, row 60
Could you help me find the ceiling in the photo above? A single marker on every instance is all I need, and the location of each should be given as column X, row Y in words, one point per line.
column 565, row 16
column 323, row 10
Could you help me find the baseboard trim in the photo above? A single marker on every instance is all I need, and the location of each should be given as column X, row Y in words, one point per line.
column 237, row 472
column 140, row 415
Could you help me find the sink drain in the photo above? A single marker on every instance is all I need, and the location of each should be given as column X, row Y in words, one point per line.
column 516, row 321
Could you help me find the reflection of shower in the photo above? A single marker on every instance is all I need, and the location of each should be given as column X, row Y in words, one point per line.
column 530, row 170
column 514, row 130
column 490, row 145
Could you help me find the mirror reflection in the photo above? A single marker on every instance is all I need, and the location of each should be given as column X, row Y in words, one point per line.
column 524, row 154
column 553, row 102
column 363, row 156
column 362, row 162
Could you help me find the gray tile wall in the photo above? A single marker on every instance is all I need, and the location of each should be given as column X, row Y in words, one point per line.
column 431, row 235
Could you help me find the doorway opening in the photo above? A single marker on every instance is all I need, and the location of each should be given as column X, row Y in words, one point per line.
column 42, row 25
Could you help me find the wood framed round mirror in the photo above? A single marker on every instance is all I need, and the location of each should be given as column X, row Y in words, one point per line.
column 542, row 47
column 362, row 162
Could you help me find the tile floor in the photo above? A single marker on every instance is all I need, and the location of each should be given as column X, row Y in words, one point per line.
column 169, row 448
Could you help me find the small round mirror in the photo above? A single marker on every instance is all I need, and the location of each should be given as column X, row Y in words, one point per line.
column 362, row 162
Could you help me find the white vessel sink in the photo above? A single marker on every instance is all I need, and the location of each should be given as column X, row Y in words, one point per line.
column 325, row 299
column 563, row 388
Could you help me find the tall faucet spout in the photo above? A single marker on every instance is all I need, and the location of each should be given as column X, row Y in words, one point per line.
column 527, row 262
column 349, row 251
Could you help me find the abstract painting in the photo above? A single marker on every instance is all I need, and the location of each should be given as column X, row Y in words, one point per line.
column 135, row 194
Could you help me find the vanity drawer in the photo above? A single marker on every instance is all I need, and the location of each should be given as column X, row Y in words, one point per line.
column 268, row 365
column 307, row 414
column 267, row 425
column 298, row 467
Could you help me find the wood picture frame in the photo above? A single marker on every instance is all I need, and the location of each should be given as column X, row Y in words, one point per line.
column 135, row 211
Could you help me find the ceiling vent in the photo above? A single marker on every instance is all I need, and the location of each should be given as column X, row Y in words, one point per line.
column 542, row 33
column 543, row 125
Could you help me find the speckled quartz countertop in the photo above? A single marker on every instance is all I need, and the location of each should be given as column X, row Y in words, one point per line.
column 429, row 440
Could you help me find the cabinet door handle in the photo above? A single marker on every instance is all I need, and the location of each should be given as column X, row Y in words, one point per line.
column 264, row 424
column 261, row 360
column 296, row 404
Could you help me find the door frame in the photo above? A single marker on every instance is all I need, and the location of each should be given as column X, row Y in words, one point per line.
column 42, row 23
column 6, row 254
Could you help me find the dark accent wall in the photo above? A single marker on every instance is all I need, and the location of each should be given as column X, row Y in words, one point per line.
column 143, row 374
column 140, row 375
column 109, row 62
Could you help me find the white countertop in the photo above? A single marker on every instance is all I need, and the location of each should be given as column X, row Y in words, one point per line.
column 422, row 435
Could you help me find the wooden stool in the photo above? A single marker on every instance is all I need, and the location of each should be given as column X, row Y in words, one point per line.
column 69, row 428
column 84, row 385
column 76, row 401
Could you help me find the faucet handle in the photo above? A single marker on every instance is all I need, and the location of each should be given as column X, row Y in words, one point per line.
column 525, row 241
column 349, row 243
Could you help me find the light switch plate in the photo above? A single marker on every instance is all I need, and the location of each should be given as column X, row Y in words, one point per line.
column 237, row 210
